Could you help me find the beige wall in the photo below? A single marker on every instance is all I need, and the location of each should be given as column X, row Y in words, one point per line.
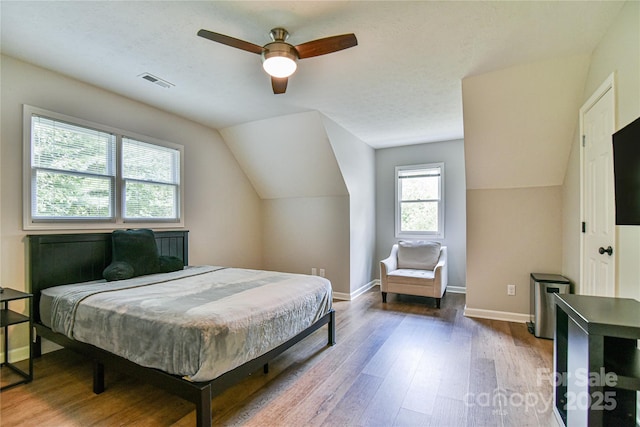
column 293, row 167
column 519, row 124
column 305, row 232
column 618, row 53
column 287, row 156
column 510, row 234
column 224, row 220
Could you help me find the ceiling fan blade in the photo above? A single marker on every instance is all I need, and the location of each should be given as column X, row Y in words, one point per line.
column 279, row 84
column 326, row 45
column 231, row 41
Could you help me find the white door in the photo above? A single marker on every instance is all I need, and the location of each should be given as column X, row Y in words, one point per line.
column 598, row 243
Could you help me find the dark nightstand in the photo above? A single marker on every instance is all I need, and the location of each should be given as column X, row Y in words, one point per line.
column 9, row 318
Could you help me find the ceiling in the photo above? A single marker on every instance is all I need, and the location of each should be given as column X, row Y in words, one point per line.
column 400, row 85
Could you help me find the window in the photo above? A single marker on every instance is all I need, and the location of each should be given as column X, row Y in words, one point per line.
column 420, row 201
column 80, row 174
column 72, row 171
column 151, row 180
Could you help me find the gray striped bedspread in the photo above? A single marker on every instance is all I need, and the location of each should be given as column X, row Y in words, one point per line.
column 198, row 323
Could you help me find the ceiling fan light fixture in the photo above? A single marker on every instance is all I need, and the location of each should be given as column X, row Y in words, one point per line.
column 279, row 66
column 279, row 60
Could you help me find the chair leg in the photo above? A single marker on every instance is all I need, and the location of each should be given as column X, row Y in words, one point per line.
column 438, row 302
column 384, row 297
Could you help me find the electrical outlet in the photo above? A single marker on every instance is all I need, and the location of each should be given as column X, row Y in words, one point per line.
column 314, row 271
column 511, row 289
column 322, row 272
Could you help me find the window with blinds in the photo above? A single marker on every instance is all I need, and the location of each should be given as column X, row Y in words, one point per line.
column 151, row 176
column 72, row 171
column 80, row 172
column 420, row 201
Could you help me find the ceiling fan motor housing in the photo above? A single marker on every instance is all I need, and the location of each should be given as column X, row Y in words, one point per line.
column 279, row 49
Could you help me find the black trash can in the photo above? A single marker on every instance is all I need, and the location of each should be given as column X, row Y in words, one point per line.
column 543, row 314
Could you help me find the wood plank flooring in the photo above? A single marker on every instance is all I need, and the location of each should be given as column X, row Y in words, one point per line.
column 404, row 363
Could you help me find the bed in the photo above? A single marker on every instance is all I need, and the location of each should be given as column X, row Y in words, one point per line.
column 66, row 272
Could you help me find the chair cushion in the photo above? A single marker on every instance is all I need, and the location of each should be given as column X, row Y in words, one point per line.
column 410, row 272
column 411, row 277
column 419, row 255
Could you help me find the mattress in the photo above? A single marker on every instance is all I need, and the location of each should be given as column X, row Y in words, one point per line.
column 198, row 323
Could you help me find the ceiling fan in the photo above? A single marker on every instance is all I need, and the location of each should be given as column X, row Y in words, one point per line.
column 279, row 57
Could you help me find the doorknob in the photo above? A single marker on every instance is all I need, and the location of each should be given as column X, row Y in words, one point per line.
column 609, row 250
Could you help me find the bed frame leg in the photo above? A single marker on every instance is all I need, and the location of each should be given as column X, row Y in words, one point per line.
column 98, row 377
column 203, row 408
column 37, row 346
column 332, row 328
column 265, row 368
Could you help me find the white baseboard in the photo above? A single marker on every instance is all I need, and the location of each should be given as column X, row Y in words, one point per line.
column 22, row 353
column 496, row 315
column 355, row 294
column 17, row 354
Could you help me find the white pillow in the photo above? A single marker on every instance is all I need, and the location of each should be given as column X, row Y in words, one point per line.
column 420, row 255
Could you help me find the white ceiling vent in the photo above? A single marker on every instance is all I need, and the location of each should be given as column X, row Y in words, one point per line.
column 156, row 80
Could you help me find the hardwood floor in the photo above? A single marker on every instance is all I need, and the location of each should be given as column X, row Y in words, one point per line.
column 404, row 363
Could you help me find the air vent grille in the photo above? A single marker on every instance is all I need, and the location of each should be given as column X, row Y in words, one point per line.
column 156, row 80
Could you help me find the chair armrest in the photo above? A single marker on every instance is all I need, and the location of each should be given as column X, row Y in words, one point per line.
column 388, row 264
column 440, row 273
column 391, row 262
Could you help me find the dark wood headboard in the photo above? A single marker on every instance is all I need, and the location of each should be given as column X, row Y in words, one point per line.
column 60, row 259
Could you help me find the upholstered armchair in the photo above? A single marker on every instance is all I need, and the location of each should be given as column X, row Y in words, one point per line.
column 415, row 268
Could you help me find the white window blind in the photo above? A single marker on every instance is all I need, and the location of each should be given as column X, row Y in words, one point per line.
column 73, row 173
column 419, row 202
column 80, row 174
column 151, row 175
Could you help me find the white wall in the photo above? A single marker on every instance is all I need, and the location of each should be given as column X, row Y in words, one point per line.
column 619, row 53
column 222, row 211
column 455, row 234
column 357, row 165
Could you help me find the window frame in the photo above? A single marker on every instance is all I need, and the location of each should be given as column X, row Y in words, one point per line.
column 118, row 220
column 439, row 234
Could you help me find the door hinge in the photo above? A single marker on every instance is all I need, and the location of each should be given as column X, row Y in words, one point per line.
column 584, row 140
column 584, row 227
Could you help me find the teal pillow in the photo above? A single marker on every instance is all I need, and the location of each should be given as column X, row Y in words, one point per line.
column 170, row 263
column 118, row 271
column 138, row 249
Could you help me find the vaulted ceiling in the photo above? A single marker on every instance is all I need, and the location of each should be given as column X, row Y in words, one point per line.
column 400, row 85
